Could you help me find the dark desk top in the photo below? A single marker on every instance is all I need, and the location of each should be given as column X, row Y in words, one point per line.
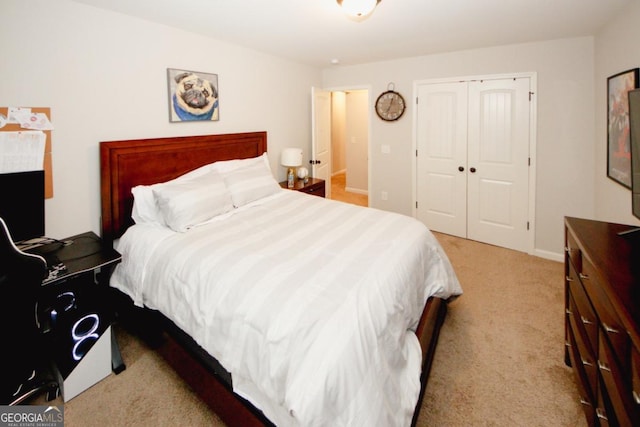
column 80, row 253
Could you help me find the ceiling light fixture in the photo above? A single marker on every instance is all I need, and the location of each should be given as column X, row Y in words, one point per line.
column 358, row 8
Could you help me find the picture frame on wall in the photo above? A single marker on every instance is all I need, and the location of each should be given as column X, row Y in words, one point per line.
column 193, row 96
column 618, row 140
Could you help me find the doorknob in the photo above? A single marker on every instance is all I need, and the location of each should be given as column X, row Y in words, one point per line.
column 461, row 168
column 472, row 170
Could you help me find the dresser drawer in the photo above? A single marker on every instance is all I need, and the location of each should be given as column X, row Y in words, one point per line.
column 586, row 356
column 635, row 377
column 583, row 313
column 587, row 398
column 604, row 413
column 316, row 189
column 610, row 322
column 573, row 251
column 616, row 386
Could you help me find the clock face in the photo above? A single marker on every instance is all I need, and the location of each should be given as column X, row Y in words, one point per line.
column 390, row 106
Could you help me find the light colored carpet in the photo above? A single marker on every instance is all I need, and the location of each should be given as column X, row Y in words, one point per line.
column 500, row 357
column 339, row 191
column 499, row 361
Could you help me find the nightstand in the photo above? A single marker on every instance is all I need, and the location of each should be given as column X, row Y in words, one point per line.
column 314, row 186
column 74, row 311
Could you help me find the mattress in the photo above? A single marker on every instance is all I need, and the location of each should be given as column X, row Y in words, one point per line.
column 309, row 303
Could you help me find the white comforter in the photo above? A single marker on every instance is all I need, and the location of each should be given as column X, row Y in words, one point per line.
column 308, row 302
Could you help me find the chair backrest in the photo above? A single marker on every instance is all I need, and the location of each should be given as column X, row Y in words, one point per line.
column 13, row 261
column 21, row 276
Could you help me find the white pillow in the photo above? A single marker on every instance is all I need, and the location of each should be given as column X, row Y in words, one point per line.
column 144, row 203
column 184, row 204
column 250, row 183
column 226, row 166
column 144, row 206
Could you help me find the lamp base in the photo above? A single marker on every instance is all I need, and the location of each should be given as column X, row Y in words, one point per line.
column 291, row 177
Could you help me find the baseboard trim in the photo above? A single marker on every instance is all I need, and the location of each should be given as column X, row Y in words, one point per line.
column 356, row 190
column 553, row 256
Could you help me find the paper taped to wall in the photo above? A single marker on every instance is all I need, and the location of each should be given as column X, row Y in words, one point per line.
column 28, row 119
column 21, row 151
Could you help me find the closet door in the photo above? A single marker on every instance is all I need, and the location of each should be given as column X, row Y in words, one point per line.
column 472, row 169
column 441, row 179
column 498, row 159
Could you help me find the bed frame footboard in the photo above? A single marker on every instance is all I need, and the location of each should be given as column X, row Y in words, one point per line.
column 213, row 384
column 428, row 332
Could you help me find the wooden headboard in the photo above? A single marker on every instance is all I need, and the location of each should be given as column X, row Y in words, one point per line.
column 125, row 164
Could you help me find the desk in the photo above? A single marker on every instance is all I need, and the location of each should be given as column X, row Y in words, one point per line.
column 74, row 313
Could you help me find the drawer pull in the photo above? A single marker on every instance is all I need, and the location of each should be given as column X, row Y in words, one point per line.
column 636, row 397
column 584, row 401
column 586, row 363
column 567, row 311
column 568, row 278
column 608, row 329
column 586, row 321
column 583, row 276
column 601, row 414
column 603, row 366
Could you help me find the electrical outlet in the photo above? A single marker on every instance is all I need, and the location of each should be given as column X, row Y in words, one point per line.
column 384, row 195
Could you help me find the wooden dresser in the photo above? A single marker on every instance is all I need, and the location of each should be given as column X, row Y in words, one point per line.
column 602, row 318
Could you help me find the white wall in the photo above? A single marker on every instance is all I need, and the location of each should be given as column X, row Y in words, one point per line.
column 616, row 50
column 357, row 142
column 103, row 75
column 565, row 130
column 338, row 132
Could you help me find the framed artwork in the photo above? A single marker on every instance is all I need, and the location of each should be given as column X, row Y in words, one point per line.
column 193, row 96
column 618, row 141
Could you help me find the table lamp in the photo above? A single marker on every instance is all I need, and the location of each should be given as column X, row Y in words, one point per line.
column 291, row 158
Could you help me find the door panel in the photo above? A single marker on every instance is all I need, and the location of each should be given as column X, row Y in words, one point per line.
column 321, row 137
column 495, row 210
column 498, row 152
column 442, row 150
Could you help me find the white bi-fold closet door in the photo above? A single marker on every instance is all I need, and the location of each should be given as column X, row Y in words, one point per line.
column 473, row 159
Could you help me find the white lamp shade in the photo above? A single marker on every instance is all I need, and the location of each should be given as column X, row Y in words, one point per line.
column 291, row 157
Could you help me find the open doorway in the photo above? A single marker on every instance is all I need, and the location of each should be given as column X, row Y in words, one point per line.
column 350, row 146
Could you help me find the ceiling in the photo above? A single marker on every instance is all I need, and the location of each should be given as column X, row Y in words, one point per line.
column 315, row 32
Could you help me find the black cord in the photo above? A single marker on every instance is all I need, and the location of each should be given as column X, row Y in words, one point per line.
column 50, row 240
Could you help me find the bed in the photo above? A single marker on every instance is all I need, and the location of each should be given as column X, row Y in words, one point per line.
column 282, row 308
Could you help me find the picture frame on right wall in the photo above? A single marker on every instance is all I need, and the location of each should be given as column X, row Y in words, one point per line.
column 618, row 141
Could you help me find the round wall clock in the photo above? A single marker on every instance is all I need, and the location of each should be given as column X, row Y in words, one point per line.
column 390, row 105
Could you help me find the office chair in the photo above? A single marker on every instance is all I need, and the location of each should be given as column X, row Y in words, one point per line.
column 27, row 372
